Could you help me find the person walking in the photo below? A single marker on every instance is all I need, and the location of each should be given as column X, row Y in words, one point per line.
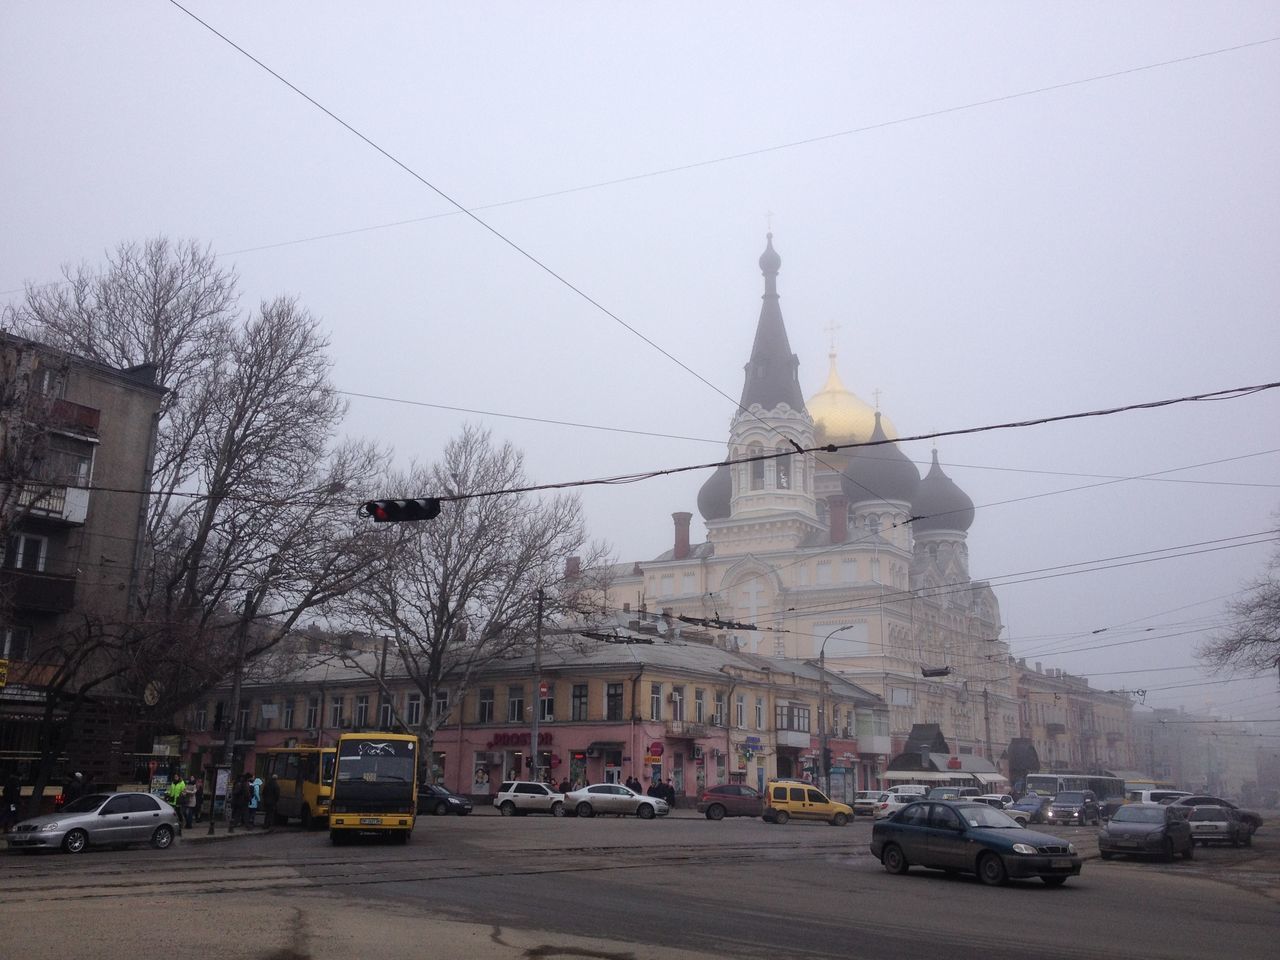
column 200, row 800
column 190, row 797
column 239, row 799
column 270, row 798
column 255, row 798
column 174, row 795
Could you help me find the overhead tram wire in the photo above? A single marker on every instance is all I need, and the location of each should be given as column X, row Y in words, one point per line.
column 742, row 155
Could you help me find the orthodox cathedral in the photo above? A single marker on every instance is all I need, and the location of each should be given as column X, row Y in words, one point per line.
column 851, row 556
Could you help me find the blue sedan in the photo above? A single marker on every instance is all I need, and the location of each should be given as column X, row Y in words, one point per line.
column 959, row 837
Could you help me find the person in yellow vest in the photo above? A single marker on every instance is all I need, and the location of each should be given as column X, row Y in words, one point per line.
column 174, row 796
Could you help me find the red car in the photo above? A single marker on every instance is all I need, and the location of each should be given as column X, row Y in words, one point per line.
column 730, row 800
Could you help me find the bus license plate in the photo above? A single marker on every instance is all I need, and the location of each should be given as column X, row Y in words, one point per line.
column 370, row 821
column 1060, row 864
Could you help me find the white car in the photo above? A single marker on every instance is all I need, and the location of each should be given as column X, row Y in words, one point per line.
column 518, row 797
column 615, row 798
column 891, row 803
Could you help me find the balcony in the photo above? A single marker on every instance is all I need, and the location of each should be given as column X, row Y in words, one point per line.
column 66, row 504
column 686, row 730
column 75, row 416
column 794, row 738
column 1055, row 729
column 39, row 592
column 875, row 743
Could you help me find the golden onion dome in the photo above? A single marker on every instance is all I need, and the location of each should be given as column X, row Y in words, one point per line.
column 840, row 416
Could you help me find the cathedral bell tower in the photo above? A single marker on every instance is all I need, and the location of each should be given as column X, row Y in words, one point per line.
column 768, row 502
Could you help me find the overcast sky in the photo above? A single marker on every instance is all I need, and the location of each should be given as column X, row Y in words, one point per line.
column 1009, row 212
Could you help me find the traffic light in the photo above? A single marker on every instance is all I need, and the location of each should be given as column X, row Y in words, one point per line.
column 395, row 511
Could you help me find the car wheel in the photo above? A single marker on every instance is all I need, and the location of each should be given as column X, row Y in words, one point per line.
column 839, row 820
column 508, row 809
column 1054, row 881
column 645, row 811
column 1248, row 839
column 893, row 859
column 991, row 870
column 440, row 809
column 1190, row 852
column 1105, row 854
column 1235, row 840
column 1020, row 821
column 163, row 837
column 715, row 812
column 584, row 809
column 557, row 809
column 75, row 841
column 781, row 817
column 1166, row 852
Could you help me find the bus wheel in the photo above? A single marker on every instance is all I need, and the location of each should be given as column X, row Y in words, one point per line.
column 307, row 822
column 402, row 837
column 337, row 837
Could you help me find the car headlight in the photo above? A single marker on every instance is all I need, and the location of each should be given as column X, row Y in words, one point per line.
column 1024, row 848
column 49, row 827
column 1071, row 848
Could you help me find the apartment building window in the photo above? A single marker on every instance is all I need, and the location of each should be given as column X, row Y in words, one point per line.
column 717, row 717
column 287, row 721
column 362, row 710
column 759, row 713
column 266, row 715
column 15, row 643
column 440, row 706
column 386, row 714
column 68, row 461
column 413, row 710
column 677, row 703
column 202, row 717
column 579, row 707
column 242, row 728
column 27, row 552
column 655, row 701
column 740, row 711
column 547, row 704
column 313, row 713
column 335, row 712
column 515, row 704
column 484, row 706
column 613, row 702
column 793, row 716
column 699, row 705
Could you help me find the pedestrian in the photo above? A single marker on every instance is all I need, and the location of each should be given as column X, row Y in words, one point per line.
column 270, row 798
column 255, row 799
column 10, row 800
column 74, row 788
column 240, row 791
column 655, row 788
column 200, row 799
column 669, row 793
column 190, row 797
column 174, row 795
column 564, row 785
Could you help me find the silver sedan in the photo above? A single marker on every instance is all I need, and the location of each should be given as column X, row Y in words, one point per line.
column 100, row 819
column 614, row 798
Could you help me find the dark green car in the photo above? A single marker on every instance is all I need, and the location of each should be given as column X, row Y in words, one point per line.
column 959, row 837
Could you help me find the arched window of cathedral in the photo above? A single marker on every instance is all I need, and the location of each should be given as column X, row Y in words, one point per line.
column 782, row 469
column 933, row 552
column 873, row 523
column 756, row 467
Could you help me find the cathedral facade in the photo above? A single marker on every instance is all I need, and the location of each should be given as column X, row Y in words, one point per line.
column 849, row 556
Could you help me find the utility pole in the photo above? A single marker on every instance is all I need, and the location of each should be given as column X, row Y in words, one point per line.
column 823, row 725
column 986, row 717
column 537, row 690
column 233, row 715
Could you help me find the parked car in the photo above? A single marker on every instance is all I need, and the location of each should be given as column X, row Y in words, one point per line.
column 518, row 797
column 1219, row 825
column 959, row 836
column 1035, row 807
column 944, row 793
column 100, row 819
column 915, row 789
column 1071, row 805
column 730, row 800
column 436, row 800
column 864, row 803
column 787, row 799
column 1251, row 818
column 1156, row 796
column 891, row 803
column 615, row 798
column 1146, row 828
column 998, row 801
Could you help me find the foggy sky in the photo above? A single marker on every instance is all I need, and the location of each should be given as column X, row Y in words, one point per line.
column 1100, row 243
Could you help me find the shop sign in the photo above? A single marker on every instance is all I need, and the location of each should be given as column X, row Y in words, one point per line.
column 656, row 748
column 651, row 760
column 518, row 739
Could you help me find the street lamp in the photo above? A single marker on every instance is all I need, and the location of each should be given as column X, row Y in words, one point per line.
column 823, row 726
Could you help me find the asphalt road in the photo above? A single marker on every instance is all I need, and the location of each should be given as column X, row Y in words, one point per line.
column 486, row 886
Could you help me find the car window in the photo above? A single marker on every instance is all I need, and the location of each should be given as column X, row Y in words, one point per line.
column 779, row 793
column 943, row 817
column 85, row 804
column 815, row 796
column 141, row 803
column 797, row 794
column 117, row 805
column 505, row 787
column 914, row 814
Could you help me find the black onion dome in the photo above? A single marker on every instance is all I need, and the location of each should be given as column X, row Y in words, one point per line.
column 881, row 472
column 770, row 262
column 714, row 497
column 940, row 504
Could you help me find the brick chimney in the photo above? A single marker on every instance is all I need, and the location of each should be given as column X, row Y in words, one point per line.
column 838, row 517
column 682, row 535
column 573, row 568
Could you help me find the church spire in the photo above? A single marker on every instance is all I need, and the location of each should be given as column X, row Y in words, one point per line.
column 772, row 373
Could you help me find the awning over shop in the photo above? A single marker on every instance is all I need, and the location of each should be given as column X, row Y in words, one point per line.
column 990, row 778
column 917, row 776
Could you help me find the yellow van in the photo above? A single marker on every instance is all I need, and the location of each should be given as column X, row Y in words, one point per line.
column 787, row 799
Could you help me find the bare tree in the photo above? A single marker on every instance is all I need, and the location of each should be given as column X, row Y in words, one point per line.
column 1253, row 639
column 455, row 593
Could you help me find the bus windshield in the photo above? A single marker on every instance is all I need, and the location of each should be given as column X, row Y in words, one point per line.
column 330, row 758
column 376, row 762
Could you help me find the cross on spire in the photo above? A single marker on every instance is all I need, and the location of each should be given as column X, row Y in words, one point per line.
column 768, row 220
column 876, row 396
column 831, row 330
